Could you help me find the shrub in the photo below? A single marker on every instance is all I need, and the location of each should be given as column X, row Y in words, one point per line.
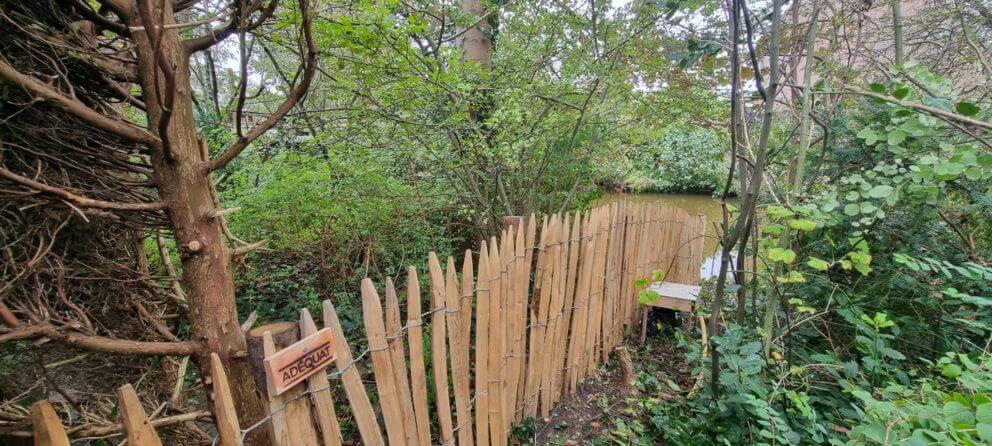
column 685, row 160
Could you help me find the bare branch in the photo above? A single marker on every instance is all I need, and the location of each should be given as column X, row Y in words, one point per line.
column 78, row 109
column 100, row 343
column 216, row 35
column 961, row 119
column 79, row 200
column 98, row 431
column 97, row 19
column 292, row 98
column 257, row 246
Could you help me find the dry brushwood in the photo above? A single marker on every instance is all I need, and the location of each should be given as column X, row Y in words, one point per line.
column 99, row 154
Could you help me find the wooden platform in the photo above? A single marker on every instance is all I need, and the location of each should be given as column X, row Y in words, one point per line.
column 673, row 296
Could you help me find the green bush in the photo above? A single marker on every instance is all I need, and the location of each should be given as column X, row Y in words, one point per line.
column 685, row 160
column 329, row 222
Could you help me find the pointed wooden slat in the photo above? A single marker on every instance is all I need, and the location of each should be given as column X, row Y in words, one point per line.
column 607, row 318
column 553, row 370
column 573, row 237
column 319, row 385
column 291, row 420
column 590, row 310
column 279, row 424
column 382, row 364
column 361, row 407
column 137, row 429
column 466, row 314
column 593, row 330
column 418, row 373
column 507, row 271
column 466, row 304
column 539, row 320
column 228, row 429
column 553, row 321
column 580, row 319
column 523, row 280
column 521, row 274
column 482, row 348
column 496, row 359
column 48, row 429
column 459, row 361
column 395, row 339
column 439, row 351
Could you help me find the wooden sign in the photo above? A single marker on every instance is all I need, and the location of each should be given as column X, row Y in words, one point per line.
column 291, row 365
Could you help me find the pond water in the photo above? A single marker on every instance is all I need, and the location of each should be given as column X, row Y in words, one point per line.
column 693, row 204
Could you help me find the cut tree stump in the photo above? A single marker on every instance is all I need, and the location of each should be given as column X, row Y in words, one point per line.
column 284, row 334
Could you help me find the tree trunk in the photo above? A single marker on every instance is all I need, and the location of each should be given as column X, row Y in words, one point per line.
column 207, row 276
column 897, row 31
column 477, row 43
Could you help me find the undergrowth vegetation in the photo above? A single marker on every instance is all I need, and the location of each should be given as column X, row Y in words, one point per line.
column 882, row 335
column 265, row 156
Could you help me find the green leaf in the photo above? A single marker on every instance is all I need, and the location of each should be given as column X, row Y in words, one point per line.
column 658, row 275
column 868, row 135
column 792, row 277
column 900, row 92
column 803, row 224
column 877, row 87
column 779, row 212
column 973, row 173
column 985, row 160
column 958, row 413
column 951, row 370
column 984, row 413
column 783, row 255
column 818, row 264
column 984, row 431
column 852, row 209
column 880, row 191
column 966, row 108
column 896, row 137
column 648, row 296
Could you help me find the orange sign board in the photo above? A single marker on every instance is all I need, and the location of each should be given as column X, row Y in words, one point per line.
column 291, row 365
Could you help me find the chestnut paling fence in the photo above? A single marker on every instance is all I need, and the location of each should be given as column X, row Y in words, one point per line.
column 512, row 330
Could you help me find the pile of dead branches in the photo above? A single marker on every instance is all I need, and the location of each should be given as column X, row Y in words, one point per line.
column 74, row 271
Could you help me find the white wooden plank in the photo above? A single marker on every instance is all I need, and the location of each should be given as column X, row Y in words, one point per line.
column 676, row 290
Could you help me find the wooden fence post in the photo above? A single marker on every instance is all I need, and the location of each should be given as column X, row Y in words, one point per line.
column 48, row 430
column 138, row 430
column 439, row 355
column 277, row 415
column 482, row 348
column 228, row 430
column 319, row 385
column 395, row 337
column 496, row 360
column 291, row 419
column 459, row 355
column 360, row 404
column 382, row 365
column 418, row 374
